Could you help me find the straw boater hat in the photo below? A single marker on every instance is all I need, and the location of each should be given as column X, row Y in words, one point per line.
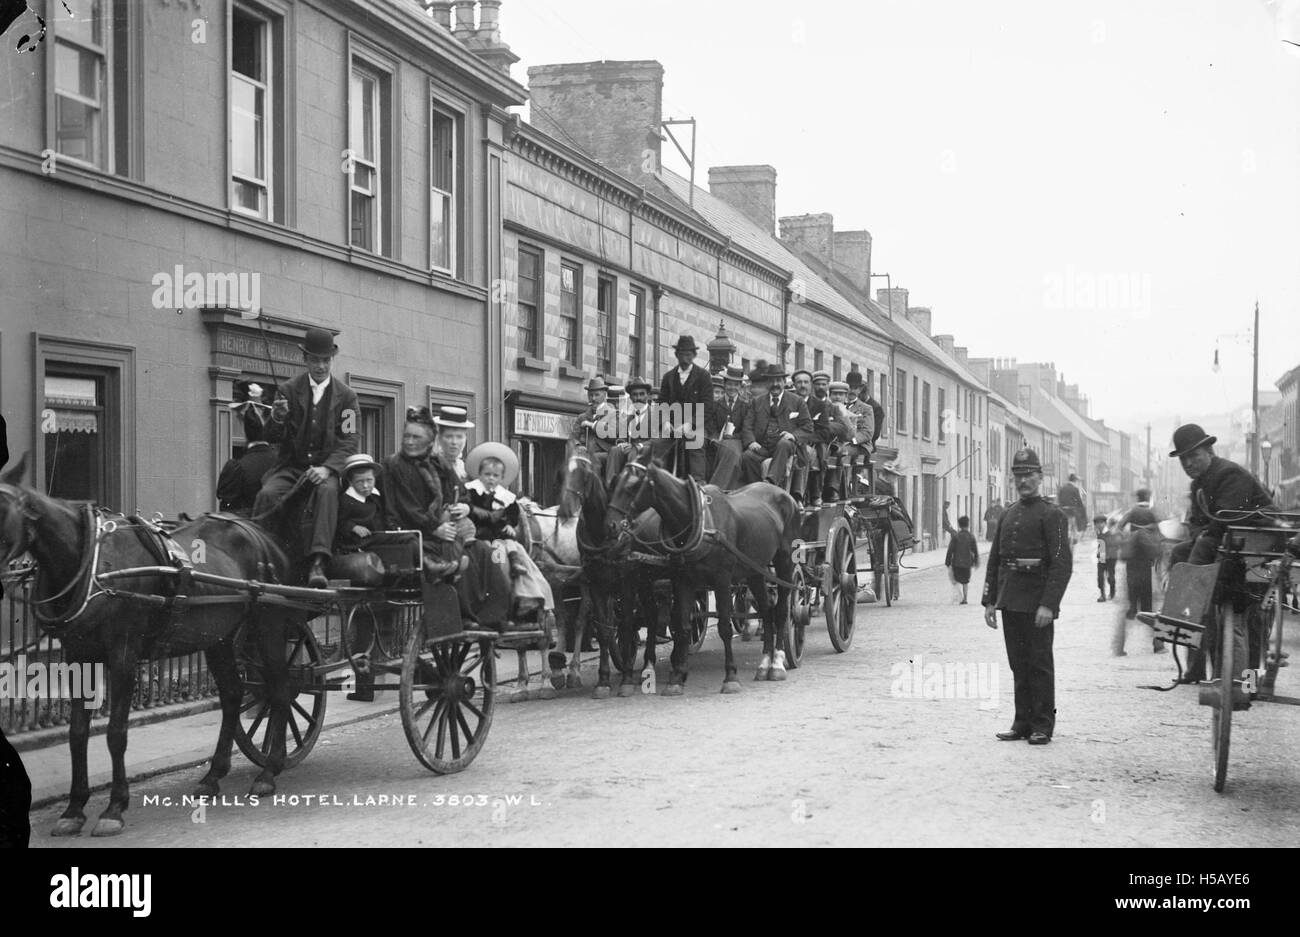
column 839, row 385
column 493, row 450
column 719, row 380
column 616, row 391
column 359, row 461
column 453, row 418
column 319, row 342
column 734, row 374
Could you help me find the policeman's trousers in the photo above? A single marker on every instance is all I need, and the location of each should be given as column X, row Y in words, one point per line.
column 1029, row 651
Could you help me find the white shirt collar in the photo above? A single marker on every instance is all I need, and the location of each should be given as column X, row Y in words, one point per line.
column 353, row 493
column 317, row 390
column 502, row 496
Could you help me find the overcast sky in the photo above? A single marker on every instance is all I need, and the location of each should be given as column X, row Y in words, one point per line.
column 1107, row 185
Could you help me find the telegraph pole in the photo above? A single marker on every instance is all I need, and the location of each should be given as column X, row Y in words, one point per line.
column 1254, row 403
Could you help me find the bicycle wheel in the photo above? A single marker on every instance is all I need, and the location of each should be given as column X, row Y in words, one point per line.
column 1221, row 716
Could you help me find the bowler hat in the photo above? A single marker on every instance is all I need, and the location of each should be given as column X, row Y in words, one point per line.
column 493, row 450
column 1188, row 438
column 764, row 371
column 639, row 383
column 596, row 383
column 685, row 343
column 1025, row 462
column 319, row 342
column 854, row 379
column 453, row 418
column 734, row 373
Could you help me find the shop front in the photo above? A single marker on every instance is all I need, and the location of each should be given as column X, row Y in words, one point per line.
column 539, row 433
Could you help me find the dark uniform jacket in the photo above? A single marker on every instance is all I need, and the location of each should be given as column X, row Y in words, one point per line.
column 241, row 479
column 721, row 413
column 764, row 426
column 698, row 389
column 1227, row 487
column 1030, row 529
column 297, row 447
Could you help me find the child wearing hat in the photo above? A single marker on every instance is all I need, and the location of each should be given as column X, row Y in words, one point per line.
column 496, row 514
column 361, row 512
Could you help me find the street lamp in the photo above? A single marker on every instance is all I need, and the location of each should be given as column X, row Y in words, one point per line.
column 721, row 350
column 1267, row 448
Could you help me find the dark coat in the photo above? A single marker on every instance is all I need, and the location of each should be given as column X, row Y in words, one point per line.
column 721, row 413
column 791, row 417
column 819, row 411
column 963, row 551
column 4, row 443
column 1227, row 487
column 1030, row 529
column 292, row 433
column 241, row 479
column 353, row 513
column 602, row 438
column 1070, row 501
column 410, row 501
column 490, row 520
column 698, row 389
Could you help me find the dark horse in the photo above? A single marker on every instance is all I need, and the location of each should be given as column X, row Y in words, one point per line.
column 614, row 584
column 73, row 544
column 711, row 530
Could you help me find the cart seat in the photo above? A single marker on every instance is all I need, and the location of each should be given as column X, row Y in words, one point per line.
column 1187, row 599
column 402, row 553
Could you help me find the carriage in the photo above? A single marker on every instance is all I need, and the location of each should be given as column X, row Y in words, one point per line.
column 1245, row 597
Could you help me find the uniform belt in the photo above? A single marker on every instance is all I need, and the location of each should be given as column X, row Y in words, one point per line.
column 1024, row 563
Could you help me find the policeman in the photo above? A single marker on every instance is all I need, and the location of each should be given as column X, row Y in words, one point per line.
column 1029, row 567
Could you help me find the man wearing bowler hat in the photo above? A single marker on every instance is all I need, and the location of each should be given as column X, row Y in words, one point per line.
column 1224, row 486
column 777, row 426
column 685, row 394
column 1029, row 566
column 595, row 428
column 315, row 418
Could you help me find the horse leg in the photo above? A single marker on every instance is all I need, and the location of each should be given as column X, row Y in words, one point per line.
column 520, row 692
column 722, row 599
column 758, row 595
column 679, row 626
column 630, row 683
column 121, row 683
column 221, row 664
column 272, row 639
column 573, row 679
column 74, row 817
column 546, row 690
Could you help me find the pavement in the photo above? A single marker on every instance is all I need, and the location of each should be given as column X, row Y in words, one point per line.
column 186, row 741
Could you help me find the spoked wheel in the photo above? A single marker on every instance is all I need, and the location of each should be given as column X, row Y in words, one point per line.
column 306, row 697
column 448, row 693
column 394, row 628
column 1221, row 715
column 360, row 629
column 886, row 570
column 699, row 621
column 796, row 624
column 840, row 584
column 1273, row 645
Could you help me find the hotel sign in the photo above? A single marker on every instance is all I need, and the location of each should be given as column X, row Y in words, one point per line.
column 543, row 424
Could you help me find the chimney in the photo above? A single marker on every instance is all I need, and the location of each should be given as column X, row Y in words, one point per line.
column 919, row 316
column 484, row 41
column 963, row 357
column 440, row 10
column 982, row 368
column 464, row 10
column 894, row 300
column 948, row 343
column 812, row 233
column 751, row 190
column 853, row 257
column 611, row 110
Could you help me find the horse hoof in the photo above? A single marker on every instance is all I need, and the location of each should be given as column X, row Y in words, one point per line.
column 68, row 826
column 762, row 674
column 206, row 789
column 519, row 696
column 731, row 686
column 262, row 788
column 627, row 690
column 671, row 689
column 558, row 681
column 602, row 692
column 105, row 827
column 746, row 636
column 573, row 681
column 547, row 692
column 776, row 673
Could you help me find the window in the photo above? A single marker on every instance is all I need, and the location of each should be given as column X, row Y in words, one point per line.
column 635, row 329
column 942, row 417
column 958, row 398
column 530, row 271
column 444, row 166
column 250, row 113
column 818, row 359
column 798, row 356
column 570, row 313
column 901, row 418
column 76, row 455
column 925, row 410
column 835, row 368
column 370, row 215
column 605, row 336
column 916, row 416
column 80, row 67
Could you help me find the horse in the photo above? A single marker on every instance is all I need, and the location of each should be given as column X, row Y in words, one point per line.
column 73, row 545
column 617, row 590
column 719, row 538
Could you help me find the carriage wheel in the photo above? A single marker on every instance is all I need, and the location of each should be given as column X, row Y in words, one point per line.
column 1272, row 642
column 448, row 693
column 796, row 623
column 393, row 634
column 699, row 621
column 360, row 629
column 1221, row 715
column 306, row 699
column 840, row 584
column 886, row 572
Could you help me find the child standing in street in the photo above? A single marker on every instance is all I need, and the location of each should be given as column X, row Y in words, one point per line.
column 1107, row 556
column 963, row 554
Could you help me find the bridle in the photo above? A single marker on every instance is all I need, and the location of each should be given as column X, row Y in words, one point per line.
column 96, row 528
column 671, row 545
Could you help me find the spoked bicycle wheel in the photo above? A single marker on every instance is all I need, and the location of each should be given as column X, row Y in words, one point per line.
column 448, row 694
column 1221, row 714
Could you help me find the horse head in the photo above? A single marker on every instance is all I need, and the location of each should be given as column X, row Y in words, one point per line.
column 633, row 490
column 15, row 512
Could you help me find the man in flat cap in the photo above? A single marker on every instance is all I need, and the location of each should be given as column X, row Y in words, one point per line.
column 315, row 419
column 1029, row 566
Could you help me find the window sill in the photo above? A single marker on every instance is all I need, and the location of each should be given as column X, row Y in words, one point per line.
column 569, row 373
column 532, row 364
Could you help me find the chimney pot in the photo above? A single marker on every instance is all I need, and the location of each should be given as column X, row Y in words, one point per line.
column 489, row 21
column 464, row 10
column 441, row 11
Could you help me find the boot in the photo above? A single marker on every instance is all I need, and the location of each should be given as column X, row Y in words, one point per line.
column 316, row 578
column 815, row 488
column 444, row 570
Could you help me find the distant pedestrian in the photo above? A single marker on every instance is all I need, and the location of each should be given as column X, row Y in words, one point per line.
column 1107, row 556
column 991, row 518
column 1140, row 548
column 1069, row 500
column 947, row 522
column 963, row 555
